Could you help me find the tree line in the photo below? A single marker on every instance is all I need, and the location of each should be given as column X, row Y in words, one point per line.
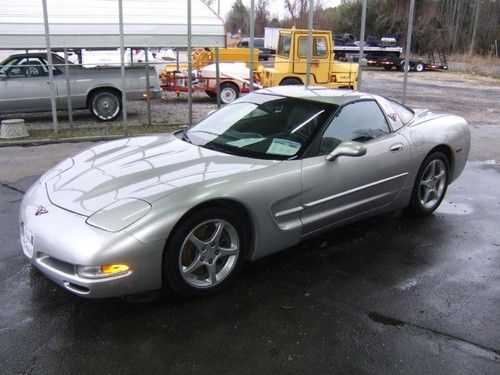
column 460, row 26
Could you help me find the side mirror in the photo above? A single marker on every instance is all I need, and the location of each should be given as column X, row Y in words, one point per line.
column 349, row 148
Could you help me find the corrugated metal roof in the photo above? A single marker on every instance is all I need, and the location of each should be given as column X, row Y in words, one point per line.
column 95, row 23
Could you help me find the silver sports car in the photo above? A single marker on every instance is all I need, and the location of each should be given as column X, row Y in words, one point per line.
column 185, row 210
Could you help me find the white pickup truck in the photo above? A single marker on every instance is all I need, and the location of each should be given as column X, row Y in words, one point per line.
column 24, row 86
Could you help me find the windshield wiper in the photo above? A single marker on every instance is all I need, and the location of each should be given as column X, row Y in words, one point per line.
column 215, row 148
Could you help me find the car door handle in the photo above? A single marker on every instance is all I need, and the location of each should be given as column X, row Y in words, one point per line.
column 396, row 147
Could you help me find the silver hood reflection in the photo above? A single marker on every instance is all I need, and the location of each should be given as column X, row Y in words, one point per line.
column 146, row 168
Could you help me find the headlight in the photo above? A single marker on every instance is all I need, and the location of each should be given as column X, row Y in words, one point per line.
column 120, row 214
column 100, row 272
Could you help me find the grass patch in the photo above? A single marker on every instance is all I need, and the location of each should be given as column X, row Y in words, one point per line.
column 95, row 132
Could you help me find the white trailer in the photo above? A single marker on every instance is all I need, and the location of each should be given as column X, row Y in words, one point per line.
column 271, row 35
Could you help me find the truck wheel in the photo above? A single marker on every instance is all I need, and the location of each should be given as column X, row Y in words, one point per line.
column 404, row 66
column 290, row 81
column 419, row 67
column 229, row 92
column 105, row 105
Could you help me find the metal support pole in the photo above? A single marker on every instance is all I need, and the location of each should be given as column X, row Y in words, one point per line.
column 122, row 68
column 217, row 75
column 148, row 83
column 51, row 83
column 190, row 65
column 406, row 64
column 361, row 43
column 68, row 88
column 309, row 42
column 217, row 66
column 252, row 36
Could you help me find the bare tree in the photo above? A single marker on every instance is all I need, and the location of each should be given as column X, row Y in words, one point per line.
column 299, row 10
column 474, row 28
column 238, row 18
column 261, row 16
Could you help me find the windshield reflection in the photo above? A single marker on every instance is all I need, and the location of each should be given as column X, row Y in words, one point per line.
column 261, row 126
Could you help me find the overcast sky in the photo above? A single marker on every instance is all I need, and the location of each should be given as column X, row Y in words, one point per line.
column 277, row 7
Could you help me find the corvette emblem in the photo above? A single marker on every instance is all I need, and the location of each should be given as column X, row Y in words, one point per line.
column 41, row 210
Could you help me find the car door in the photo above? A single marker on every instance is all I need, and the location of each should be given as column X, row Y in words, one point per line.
column 337, row 190
column 25, row 87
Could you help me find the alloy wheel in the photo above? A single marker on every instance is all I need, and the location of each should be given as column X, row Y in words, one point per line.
column 432, row 184
column 209, row 253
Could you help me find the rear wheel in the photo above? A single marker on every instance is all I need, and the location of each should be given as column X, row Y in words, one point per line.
column 420, row 67
column 290, row 81
column 105, row 105
column 206, row 252
column 430, row 185
column 229, row 92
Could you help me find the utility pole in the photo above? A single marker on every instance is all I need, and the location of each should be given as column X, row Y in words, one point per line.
column 406, row 64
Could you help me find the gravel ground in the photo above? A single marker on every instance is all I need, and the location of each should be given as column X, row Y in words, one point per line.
column 471, row 96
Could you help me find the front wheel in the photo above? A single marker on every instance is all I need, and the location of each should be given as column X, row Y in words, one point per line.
column 105, row 105
column 430, row 185
column 206, row 252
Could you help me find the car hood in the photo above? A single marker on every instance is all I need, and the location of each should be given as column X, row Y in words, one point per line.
column 145, row 168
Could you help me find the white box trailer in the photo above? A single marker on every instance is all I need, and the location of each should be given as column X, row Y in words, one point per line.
column 271, row 35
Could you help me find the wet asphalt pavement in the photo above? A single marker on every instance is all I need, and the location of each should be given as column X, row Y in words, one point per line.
column 393, row 294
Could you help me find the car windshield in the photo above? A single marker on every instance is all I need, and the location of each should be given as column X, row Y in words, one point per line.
column 261, row 126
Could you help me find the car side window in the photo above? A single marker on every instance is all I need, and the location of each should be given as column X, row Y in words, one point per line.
column 27, row 67
column 392, row 115
column 360, row 122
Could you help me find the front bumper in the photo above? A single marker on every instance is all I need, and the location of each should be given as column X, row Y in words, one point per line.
column 57, row 241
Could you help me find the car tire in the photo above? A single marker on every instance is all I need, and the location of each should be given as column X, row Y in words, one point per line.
column 290, row 81
column 430, row 185
column 206, row 252
column 105, row 105
column 229, row 92
column 420, row 67
column 404, row 66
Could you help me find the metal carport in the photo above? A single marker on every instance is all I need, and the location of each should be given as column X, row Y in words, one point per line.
column 108, row 23
column 95, row 23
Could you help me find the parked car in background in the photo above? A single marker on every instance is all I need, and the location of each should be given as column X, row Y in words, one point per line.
column 279, row 165
column 264, row 53
column 24, row 86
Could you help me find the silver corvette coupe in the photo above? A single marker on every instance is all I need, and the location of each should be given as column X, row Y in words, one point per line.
column 185, row 210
